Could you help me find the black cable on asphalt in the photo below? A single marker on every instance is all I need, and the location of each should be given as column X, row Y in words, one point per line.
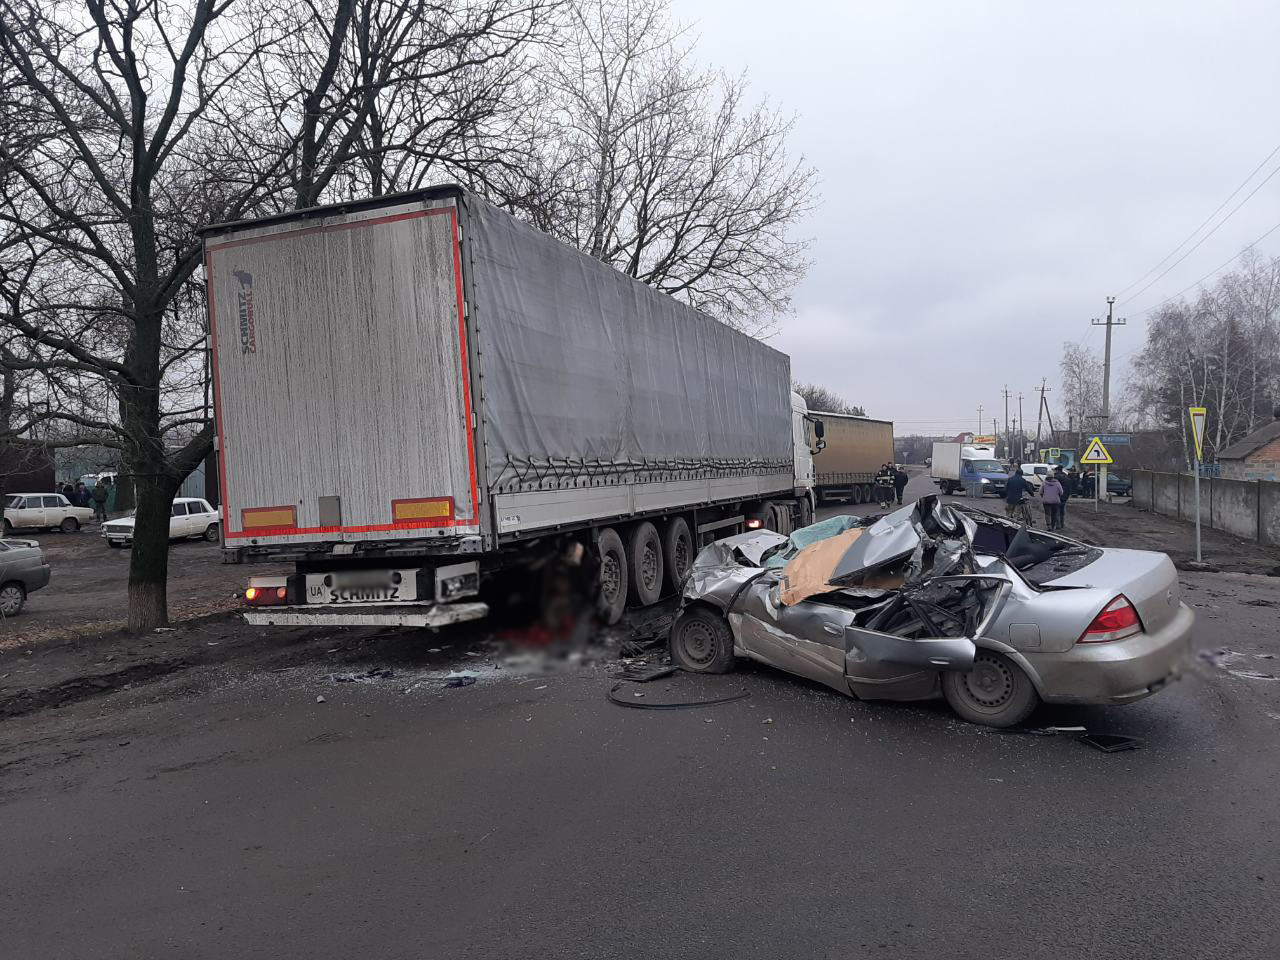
column 685, row 705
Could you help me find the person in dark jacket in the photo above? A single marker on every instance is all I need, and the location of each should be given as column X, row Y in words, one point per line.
column 1068, row 490
column 1016, row 488
column 100, row 501
column 884, row 485
column 900, row 479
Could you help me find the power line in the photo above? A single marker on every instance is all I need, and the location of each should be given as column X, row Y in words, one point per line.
column 1217, row 269
column 1196, row 245
column 1253, row 173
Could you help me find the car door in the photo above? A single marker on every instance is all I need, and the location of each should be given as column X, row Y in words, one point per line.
column 923, row 630
column 200, row 522
column 55, row 509
column 178, row 520
column 31, row 514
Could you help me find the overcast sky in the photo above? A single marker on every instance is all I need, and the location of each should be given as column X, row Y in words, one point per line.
column 991, row 171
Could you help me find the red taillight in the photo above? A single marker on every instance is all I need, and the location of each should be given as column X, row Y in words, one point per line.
column 267, row 592
column 754, row 524
column 1117, row 620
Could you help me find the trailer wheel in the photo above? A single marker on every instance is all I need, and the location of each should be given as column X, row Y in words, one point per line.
column 677, row 551
column 856, row 495
column 644, row 560
column 868, row 493
column 613, row 576
column 806, row 513
column 781, row 519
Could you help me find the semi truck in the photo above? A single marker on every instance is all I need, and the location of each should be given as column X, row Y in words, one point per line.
column 852, row 450
column 418, row 392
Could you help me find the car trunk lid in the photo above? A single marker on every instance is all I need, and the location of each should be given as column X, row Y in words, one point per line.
column 1149, row 580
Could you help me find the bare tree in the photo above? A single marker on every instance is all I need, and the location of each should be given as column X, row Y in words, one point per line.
column 828, row 401
column 1080, row 385
column 667, row 171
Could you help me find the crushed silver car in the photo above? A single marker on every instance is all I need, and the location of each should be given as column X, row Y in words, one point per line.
column 936, row 597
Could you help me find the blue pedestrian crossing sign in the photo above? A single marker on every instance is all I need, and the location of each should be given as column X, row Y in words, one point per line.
column 1096, row 453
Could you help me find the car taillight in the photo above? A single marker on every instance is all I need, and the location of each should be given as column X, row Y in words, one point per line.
column 1117, row 620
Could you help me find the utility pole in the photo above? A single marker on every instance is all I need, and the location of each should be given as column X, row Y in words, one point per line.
column 1022, row 427
column 1040, row 413
column 1007, row 438
column 1110, row 322
column 979, row 419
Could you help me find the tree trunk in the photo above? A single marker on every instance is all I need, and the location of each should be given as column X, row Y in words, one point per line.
column 149, row 563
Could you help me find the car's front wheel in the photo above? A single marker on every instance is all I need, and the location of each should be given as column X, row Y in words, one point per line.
column 12, row 597
column 701, row 642
column 996, row 692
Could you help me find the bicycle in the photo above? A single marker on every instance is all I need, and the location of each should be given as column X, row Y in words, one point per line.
column 1022, row 513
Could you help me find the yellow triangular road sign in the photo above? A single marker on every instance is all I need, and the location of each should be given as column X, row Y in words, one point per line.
column 1096, row 453
column 1197, row 429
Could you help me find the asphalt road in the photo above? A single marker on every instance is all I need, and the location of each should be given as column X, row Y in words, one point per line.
column 527, row 816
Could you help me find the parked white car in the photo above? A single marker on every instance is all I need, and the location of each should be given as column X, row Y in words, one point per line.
column 1036, row 472
column 189, row 517
column 43, row 511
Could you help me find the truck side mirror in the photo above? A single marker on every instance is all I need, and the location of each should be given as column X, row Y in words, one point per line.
column 819, row 430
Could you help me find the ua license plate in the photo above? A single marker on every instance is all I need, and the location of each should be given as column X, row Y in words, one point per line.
column 363, row 586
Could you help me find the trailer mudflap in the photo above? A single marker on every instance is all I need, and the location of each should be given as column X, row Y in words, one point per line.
column 433, row 617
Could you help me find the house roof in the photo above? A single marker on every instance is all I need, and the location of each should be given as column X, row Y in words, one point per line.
column 1259, row 438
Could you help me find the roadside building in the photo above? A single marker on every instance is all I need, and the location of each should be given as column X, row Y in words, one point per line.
column 1256, row 457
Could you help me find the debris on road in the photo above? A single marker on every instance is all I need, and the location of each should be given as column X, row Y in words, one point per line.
column 644, row 672
column 320, row 700
column 374, row 674
column 683, row 705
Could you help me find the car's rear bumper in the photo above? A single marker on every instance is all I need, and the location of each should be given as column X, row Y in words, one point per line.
column 37, row 577
column 1119, row 672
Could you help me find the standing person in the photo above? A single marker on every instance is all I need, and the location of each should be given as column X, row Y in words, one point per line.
column 100, row 502
column 884, row 486
column 81, row 497
column 1068, row 491
column 900, row 479
column 1016, row 488
column 1051, row 495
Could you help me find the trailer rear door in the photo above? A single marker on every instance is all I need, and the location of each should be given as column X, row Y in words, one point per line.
column 340, row 371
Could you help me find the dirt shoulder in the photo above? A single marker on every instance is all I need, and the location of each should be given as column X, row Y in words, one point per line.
column 88, row 593
column 1122, row 525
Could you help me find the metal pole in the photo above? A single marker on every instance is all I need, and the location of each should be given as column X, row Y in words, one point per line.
column 1110, row 322
column 1198, row 559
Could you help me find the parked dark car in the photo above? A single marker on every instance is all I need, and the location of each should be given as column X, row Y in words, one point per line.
column 22, row 569
column 1119, row 486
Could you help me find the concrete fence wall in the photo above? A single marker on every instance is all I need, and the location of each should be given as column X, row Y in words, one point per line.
column 1246, row 508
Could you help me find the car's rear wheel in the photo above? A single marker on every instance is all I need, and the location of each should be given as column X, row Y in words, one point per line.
column 69, row 525
column 115, row 544
column 211, row 533
column 996, row 692
column 701, row 642
column 12, row 597
column 8, row 529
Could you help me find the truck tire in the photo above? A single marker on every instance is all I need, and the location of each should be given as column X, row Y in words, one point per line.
column 806, row 513
column 677, row 551
column 781, row 518
column 612, row 599
column 868, row 493
column 855, row 496
column 644, row 561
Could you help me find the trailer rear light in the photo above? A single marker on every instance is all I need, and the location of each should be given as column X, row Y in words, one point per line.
column 754, row 523
column 1117, row 621
column 422, row 509
column 267, row 592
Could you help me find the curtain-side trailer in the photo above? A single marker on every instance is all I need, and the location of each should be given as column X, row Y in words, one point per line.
column 854, row 449
column 416, row 391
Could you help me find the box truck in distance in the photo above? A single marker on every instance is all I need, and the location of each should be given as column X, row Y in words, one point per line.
column 418, row 391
